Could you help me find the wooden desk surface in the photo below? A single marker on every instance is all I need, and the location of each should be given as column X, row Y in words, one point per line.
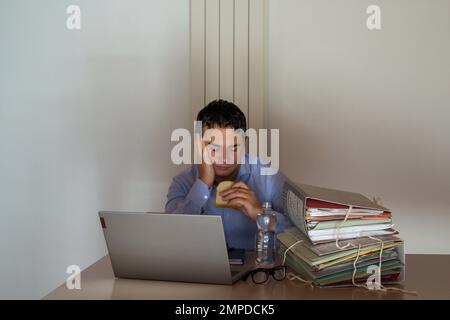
column 427, row 274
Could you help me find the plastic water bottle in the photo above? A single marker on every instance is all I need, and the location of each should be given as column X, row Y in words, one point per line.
column 265, row 236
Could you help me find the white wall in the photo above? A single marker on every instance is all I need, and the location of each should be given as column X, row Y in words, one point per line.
column 364, row 110
column 227, row 55
column 85, row 123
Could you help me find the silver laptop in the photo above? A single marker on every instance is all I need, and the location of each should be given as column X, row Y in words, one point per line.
column 175, row 247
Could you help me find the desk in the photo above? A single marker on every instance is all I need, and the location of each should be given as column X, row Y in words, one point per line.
column 427, row 274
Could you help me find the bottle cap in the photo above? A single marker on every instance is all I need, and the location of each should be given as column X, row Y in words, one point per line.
column 267, row 205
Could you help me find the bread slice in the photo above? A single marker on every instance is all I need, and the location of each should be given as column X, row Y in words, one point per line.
column 224, row 185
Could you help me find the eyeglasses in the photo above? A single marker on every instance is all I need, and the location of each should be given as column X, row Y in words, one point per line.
column 261, row 275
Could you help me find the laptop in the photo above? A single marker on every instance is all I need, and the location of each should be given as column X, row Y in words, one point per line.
column 171, row 247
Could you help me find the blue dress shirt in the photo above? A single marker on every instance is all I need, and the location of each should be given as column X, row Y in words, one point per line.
column 189, row 195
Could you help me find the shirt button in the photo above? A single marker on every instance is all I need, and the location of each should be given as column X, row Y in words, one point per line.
column 205, row 196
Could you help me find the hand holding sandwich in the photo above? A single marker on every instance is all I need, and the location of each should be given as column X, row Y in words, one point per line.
column 239, row 196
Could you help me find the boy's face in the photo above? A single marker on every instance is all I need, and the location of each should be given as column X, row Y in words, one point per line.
column 223, row 149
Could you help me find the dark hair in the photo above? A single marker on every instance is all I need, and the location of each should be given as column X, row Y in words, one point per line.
column 223, row 114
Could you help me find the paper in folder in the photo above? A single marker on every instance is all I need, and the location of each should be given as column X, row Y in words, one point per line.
column 365, row 235
column 335, row 268
column 318, row 211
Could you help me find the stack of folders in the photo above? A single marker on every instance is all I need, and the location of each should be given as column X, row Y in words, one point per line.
column 339, row 237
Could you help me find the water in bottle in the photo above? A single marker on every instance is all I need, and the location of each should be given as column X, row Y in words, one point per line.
column 265, row 236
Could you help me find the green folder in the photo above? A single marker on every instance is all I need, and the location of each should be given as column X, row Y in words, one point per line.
column 313, row 259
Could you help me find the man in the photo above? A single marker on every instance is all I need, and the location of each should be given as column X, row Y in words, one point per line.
column 194, row 190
